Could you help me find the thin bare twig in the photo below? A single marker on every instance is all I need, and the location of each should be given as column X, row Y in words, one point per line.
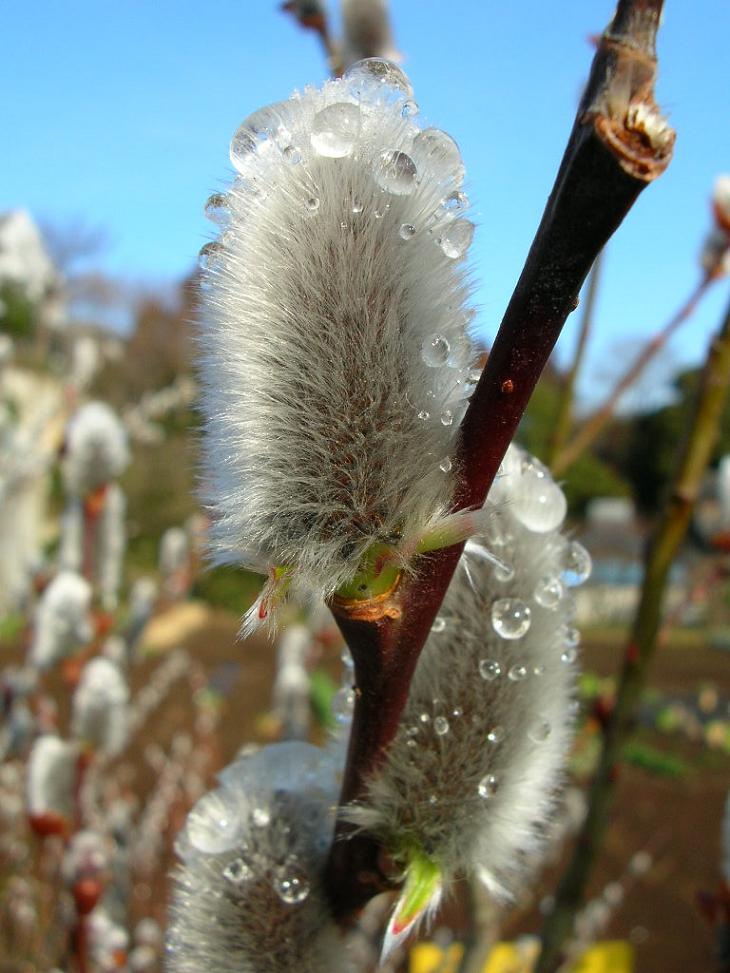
column 564, row 417
column 619, row 143
column 595, row 424
column 667, row 538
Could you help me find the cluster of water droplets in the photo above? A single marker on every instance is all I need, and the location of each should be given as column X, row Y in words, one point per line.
column 244, row 824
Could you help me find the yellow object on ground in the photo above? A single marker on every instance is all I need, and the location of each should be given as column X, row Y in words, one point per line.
column 609, row 957
column 167, row 630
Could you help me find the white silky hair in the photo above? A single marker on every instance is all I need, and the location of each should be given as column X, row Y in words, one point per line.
column 473, row 772
column 62, row 620
column 96, row 448
column 249, row 896
column 335, row 358
column 100, row 708
column 51, row 776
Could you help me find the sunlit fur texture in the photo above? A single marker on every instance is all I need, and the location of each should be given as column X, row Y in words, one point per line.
column 312, row 328
column 427, row 792
column 283, row 798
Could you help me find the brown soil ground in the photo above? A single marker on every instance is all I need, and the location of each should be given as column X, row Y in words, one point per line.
column 677, row 819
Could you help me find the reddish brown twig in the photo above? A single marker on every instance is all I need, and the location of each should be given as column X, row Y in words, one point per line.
column 618, row 144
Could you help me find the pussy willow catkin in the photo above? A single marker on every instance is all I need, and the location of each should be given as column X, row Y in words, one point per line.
column 336, row 360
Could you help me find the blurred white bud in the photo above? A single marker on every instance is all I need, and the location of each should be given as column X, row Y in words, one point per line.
column 715, row 256
column 291, row 686
column 62, row 620
column 173, row 550
column 100, row 717
column 86, row 856
column 249, row 898
column 721, row 201
column 336, row 357
column 51, row 780
column 366, row 31
column 96, row 448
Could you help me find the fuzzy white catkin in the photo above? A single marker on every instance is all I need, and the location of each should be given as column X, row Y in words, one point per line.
column 336, row 362
column 100, row 715
column 107, row 545
column 249, row 897
column 471, row 776
column 96, row 448
column 62, row 620
column 52, row 776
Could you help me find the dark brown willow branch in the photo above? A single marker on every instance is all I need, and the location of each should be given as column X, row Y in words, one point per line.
column 618, row 144
column 667, row 538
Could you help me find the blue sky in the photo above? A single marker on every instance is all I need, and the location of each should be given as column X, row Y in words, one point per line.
column 120, row 113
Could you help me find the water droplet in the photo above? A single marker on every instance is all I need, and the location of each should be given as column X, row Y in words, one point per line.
column 517, row 672
column 291, row 883
column 424, row 415
column 356, row 205
column 441, row 726
column 312, row 204
column 457, row 712
column 435, row 350
column 346, row 658
column 343, row 703
column 374, row 72
column 447, row 417
column 569, row 655
column 411, row 744
column 540, row 732
column 424, row 718
column 454, row 203
column 456, row 238
column 261, row 817
column 510, row 618
column 537, row 501
column 438, row 153
column 488, row 786
column 489, row 669
column 503, row 572
column 461, row 352
column 407, row 231
column 213, row 825
column 243, row 143
column 237, row 872
column 445, row 465
column 538, row 671
column 381, row 210
column 335, row 130
column 549, row 592
column 495, row 735
column 216, row 209
column 433, row 799
column 576, row 564
column 409, row 109
column 209, row 256
column 439, row 624
column 259, row 126
column 343, row 224
column 292, row 155
column 572, row 637
column 395, row 172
